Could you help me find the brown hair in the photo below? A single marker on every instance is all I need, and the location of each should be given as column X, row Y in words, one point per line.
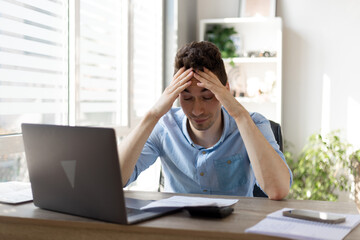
column 199, row 55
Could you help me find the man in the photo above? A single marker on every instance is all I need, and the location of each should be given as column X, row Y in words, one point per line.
column 211, row 144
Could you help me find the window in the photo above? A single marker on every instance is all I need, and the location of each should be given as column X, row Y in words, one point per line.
column 147, row 54
column 98, row 95
column 82, row 62
column 33, row 74
column 33, row 58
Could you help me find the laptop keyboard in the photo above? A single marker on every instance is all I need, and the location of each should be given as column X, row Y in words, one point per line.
column 133, row 211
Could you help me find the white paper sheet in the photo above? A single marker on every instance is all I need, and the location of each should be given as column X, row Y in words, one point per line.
column 277, row 225
column 14, row 192
column 183, row 201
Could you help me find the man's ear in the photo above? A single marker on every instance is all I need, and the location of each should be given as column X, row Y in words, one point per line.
column 227, row 86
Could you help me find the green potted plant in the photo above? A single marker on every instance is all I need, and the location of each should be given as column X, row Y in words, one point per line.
column 221, row 37
column 322, row 168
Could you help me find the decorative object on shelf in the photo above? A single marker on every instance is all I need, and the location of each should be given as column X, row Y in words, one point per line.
column 237, row 81
column 268, row 84
column 250, row 87
column 257, row 8
column 222, row 37
column 260, row 54
column 253, row 87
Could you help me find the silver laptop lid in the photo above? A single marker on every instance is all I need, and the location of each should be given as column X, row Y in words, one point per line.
column 75, row 170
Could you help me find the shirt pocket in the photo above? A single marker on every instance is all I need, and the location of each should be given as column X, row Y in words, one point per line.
column 232, row 172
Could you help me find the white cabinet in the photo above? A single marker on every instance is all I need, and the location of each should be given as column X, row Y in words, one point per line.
column 255, row 75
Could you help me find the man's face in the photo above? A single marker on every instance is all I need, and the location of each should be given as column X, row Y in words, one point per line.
column 200, row 106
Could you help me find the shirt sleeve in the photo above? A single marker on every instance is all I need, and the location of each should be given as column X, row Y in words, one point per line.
column 149, row 153
column 264, row 126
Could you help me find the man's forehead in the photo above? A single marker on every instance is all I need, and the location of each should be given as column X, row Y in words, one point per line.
column 193, row 89
column 194, row 82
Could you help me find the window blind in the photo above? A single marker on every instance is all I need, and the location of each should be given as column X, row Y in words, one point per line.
column 33, row 63
column 99, row 101
column 147, row 54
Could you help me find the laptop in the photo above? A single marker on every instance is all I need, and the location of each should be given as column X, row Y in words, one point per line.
column 76, row 170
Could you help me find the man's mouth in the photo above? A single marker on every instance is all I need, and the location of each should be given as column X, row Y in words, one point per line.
column 199, row 120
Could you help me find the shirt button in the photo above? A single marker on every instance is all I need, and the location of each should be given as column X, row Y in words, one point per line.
column 202, row 174
column 229, row 162
column 203, row 152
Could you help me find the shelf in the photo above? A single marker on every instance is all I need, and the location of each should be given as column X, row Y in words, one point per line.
column 252, row 60
column 257, row 100
column 260, row 20
column 254, row 37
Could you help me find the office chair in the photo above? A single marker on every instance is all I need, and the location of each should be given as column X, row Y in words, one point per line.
column 276, row 128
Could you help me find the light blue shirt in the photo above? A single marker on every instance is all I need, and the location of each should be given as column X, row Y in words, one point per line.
column 222, row 169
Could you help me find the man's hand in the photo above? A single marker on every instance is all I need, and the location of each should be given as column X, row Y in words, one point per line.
column 180, row 82
column 210, row 81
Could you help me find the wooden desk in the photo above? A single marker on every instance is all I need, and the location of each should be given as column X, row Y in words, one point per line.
column 26, row 221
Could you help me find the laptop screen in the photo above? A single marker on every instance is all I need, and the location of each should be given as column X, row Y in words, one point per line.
column 75, row 170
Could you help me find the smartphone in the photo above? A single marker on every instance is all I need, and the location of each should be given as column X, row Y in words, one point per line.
column 314, row 216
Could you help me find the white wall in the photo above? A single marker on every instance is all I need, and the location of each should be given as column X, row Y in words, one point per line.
column 187, row 25
column 321, row 67
column 321, row 80
column 180, row 28
column 215, row 9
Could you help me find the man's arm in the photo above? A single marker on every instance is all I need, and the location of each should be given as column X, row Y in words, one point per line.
column 270, row 170
column 131, row 147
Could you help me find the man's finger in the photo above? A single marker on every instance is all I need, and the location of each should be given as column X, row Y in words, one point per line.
column 182, row 75
column 202, row 79
column 207, row 71
column 181, row 81
column 179, row 72
column 185, row 73
column 207, row 77
column 182, row 87
column 184, row 79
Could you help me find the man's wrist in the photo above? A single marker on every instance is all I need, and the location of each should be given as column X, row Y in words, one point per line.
column 242, row 117
column 153, row 115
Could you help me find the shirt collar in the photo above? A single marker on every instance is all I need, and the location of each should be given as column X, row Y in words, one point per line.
column 185, row 131
column 226, row 122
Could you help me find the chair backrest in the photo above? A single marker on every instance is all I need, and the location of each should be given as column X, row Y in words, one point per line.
column 276, row 128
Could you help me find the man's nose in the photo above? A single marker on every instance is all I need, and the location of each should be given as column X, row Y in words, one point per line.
column 198, row 107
